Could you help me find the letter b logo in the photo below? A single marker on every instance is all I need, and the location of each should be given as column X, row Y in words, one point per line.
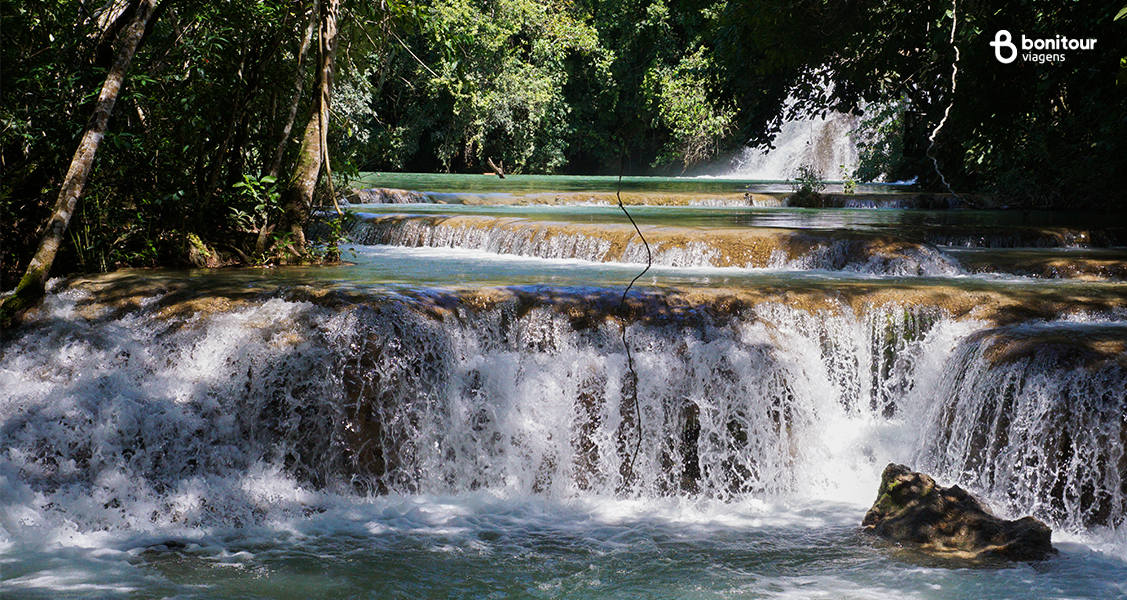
column 1003, row 39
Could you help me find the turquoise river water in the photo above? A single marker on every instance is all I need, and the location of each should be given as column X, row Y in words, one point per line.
column 452, row 413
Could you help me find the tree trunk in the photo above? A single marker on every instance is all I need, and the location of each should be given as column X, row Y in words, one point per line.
column 295, row 101
column 499, row 170
column 314, row 151
column 33, row 285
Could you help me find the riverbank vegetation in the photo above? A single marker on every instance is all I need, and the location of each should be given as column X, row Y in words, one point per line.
column 235, row 117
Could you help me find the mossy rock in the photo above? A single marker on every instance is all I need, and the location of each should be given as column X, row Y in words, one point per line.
column 911, row 509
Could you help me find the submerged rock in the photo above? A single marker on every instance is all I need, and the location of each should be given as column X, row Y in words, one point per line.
column 911, row 508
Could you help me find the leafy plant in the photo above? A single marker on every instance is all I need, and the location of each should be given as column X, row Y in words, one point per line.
column 880, row 143
column 256, row 209
column 848, row 184
column 697, row 124
column 807, row 180
column 335, row 234
column 262, row 196
column 807, row 186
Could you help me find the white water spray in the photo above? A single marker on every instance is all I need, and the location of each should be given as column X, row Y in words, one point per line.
column 826, row 144
column 1033, row 416
column 416, row 428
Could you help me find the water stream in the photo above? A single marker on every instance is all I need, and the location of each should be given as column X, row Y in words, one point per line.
column 452, row 414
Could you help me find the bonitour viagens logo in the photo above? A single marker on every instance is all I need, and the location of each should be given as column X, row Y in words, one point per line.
column 1006, row 51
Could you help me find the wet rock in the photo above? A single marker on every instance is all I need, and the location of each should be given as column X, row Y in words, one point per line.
column 912, row 509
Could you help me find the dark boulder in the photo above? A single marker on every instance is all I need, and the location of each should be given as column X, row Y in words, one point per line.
column 912, row 509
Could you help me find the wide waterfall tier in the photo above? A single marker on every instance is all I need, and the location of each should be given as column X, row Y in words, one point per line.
column 670, row 246
column 878, row 242
column 447, row 392
column 133, row 392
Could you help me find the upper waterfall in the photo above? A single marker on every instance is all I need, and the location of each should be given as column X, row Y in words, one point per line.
column 824, row 144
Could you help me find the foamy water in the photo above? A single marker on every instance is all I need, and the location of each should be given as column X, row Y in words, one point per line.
column 490, row 545
column 215, row 455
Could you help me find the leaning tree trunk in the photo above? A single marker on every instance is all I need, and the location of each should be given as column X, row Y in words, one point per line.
column 33, row 285
column 313, row 154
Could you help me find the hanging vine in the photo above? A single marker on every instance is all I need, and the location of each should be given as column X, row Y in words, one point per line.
column 633, row 389
column 947, row 111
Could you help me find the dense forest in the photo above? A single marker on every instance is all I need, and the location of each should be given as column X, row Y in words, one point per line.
column 233, row 118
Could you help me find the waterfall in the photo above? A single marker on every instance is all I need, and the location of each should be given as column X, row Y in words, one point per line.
column 1034, row 415
column 760, row 248
column 220, row 431
column 429, row 394
column 825, row 144
column 727, row 406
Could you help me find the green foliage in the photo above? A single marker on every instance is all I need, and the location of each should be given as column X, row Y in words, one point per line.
column 108, row 233
column 334, row 232
column 544, row 85
column 848, row 183
column 880, row 143
column 697, row 124
column 38, row 125
column 256, row 203
column 481, row 79
column 807, row 180
column 203, row 103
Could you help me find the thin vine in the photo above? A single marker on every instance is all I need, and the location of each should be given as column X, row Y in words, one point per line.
column 629, row 477
column 954, row 74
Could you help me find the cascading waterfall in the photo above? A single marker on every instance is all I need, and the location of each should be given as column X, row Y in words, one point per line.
column 530, row 402
column 385, row 396
column 826, row 145
column 190, row 417
column 670, row 246
column 1036, row 416
column 407, row 395
column 136, row 422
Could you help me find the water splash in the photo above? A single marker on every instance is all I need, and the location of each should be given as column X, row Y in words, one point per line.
column 159, row 420
column 162, row 422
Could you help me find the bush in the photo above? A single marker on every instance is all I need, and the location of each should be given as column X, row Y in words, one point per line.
column 807, row 187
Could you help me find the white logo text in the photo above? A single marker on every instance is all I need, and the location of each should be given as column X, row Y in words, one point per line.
column 1006, row 51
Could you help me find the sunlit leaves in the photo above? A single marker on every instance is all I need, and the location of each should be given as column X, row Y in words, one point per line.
column 685, row 97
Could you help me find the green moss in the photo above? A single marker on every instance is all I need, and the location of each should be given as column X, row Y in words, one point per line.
column 27, row 294
column 198, row 244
